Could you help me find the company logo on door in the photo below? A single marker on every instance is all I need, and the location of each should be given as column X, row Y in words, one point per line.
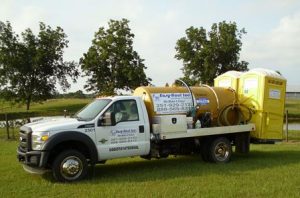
column 124, row 132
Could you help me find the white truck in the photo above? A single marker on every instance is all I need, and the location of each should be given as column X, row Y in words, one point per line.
column 120, row 126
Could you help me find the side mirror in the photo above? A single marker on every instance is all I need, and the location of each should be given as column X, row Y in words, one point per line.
column 108, row 119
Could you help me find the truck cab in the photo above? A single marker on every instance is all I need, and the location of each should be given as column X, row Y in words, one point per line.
column 122, row 129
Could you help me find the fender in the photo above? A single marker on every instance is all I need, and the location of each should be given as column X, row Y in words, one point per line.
column 71, row 136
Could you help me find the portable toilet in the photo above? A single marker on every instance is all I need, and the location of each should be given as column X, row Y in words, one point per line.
column 263, row 90
column 228, row 79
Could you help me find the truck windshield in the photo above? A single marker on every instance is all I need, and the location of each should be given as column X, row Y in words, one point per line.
column 91, row 110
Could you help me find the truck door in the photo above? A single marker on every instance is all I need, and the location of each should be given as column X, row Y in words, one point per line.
column 127, row 137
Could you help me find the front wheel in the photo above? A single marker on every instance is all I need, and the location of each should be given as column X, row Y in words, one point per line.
column 220, row 150
column 69, row 166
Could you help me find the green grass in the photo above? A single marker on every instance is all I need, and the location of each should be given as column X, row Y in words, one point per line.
column 293, row 135
column 268, row 171
column 59, row 105
column 51, row 107
column 293, row 106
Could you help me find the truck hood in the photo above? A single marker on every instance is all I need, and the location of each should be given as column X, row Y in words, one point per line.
column 55, row 124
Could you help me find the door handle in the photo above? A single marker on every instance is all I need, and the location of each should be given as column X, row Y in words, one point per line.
column 141, row 129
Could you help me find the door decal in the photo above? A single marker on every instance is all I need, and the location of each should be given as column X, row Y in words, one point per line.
column 123, row 136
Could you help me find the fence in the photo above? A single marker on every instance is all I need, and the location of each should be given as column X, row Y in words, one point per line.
column 9, row 125
column 9, row 122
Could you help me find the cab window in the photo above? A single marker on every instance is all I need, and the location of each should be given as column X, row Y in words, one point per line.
column 124, row 110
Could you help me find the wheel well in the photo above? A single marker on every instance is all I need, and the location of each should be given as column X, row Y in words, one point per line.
column 75, row 145
column 240, row 140
column 230, row 137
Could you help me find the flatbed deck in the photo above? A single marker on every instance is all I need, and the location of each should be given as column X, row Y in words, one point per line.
column 208, row 131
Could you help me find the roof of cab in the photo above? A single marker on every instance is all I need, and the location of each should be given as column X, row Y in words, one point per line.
column 118, row 97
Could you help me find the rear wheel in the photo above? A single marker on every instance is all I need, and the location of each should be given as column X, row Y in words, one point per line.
column 220, row 150
column 69, row 166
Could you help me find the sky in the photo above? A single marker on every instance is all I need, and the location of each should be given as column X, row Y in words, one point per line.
column 272, row 40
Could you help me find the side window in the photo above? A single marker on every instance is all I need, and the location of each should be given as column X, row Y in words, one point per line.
column 124, row 110
column 133, row 111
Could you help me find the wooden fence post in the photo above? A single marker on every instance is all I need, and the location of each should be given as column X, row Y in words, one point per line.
column 286, row 126
column 7, row 126
column 13, row 129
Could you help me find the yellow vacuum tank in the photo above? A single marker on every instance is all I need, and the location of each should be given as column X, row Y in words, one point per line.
column 177, row 100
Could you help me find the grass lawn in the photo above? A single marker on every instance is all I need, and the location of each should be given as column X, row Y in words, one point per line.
column 293, row 106
column 268, row 171
column 51, row 107
column 293, row 135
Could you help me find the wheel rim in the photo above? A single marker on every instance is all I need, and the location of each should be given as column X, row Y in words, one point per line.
column 71, row 168
column 221, row 151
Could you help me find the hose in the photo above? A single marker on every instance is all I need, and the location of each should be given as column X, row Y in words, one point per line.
column 192, row 111
column 215, row 94
column 190, row 91
column 224, row 116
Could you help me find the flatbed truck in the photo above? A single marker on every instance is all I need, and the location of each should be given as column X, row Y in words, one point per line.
column 115, row 127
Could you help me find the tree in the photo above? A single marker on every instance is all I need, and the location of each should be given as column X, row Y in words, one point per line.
column 111, row 63
column 31, row 67
column 207, row 55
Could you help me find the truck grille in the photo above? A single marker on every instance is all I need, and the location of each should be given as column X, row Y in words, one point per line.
column 25, row 140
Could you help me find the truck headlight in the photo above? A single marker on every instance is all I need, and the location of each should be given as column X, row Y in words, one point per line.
column 38, row 139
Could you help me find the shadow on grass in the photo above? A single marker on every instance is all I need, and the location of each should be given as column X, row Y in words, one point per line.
column 191, row 166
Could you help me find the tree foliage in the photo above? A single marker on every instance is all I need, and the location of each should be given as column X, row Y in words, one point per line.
column 111, row 63
column 30, row 67
column 206, row 55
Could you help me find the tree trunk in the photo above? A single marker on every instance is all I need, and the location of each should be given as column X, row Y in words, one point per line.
column 28, row 101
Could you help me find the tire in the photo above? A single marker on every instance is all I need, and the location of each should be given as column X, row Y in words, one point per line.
column 220, row 150
column 69, row 166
